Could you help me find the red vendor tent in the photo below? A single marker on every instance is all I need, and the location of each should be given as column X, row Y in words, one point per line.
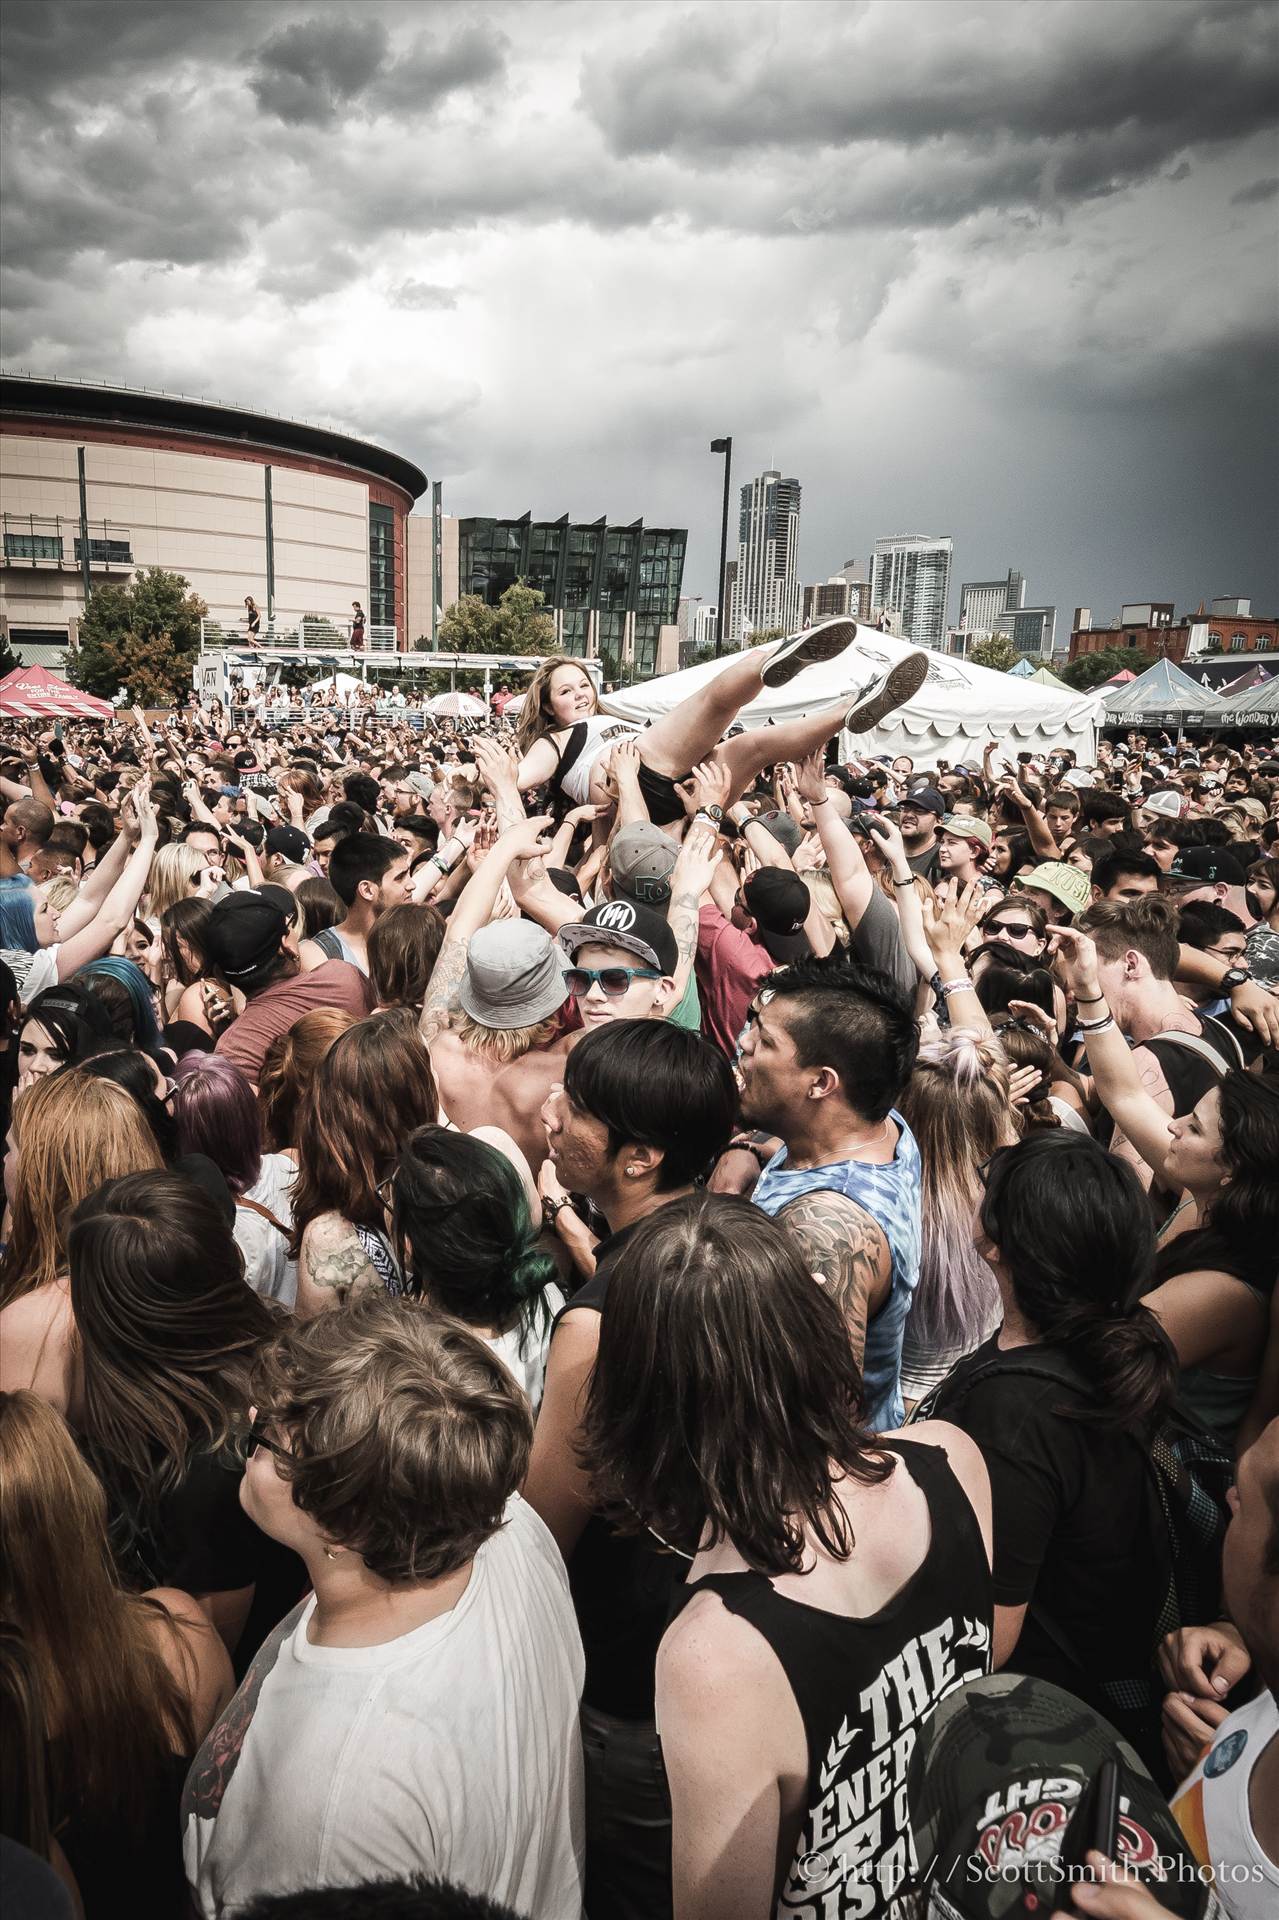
column 33, row 693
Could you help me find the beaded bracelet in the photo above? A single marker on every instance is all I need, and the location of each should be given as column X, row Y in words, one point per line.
column 956, row 986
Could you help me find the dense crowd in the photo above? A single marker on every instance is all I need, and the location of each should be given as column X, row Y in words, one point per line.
column 639, row 1321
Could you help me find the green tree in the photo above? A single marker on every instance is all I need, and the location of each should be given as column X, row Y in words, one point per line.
column 765, row 636
column 997, row 652
column 1090, row 669
column 8, row 658
column 516, row 624
column 143, row 636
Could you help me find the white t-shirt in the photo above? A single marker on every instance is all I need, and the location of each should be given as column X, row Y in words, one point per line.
column 267, row 1266
column 523, row 1349
column 453, row 1750
column 1212, row 1811
column 603, row 731
column 33, row 972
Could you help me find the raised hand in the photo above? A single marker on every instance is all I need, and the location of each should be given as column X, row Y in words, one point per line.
column 695, row 867
column 810, row 778
column 708, row 785
column 1076, row 957
column 950, row 916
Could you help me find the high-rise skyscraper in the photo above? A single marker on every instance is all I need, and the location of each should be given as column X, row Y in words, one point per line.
column 910, row 576
column 983, row 603
column 766, row 589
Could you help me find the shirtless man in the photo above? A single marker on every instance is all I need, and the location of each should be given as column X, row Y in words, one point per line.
column 491, row 1014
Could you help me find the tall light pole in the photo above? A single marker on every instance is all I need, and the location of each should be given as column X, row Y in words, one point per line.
column 725, row 447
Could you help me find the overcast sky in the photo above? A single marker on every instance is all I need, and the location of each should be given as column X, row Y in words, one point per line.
column 1004, row 269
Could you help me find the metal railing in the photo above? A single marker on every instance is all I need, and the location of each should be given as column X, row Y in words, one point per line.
column 312, row 635
column 53, row 540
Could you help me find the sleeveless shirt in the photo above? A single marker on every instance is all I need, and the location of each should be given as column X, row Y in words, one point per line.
column 864, row 1687
column 891, row 1196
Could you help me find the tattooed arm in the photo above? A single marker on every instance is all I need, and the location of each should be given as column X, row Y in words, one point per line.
column 691, row 876
column 850, row 1253
column 332, row 1266
column 473, row 911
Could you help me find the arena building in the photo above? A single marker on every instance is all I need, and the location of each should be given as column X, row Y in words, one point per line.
column 96, row 481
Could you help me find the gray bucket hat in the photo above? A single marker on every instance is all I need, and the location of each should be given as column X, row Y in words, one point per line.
column 514, row 976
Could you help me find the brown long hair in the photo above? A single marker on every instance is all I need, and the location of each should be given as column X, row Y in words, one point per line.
column 956, row 1105
column 114, row 1713
column 373, row 1087
column 167, row 1329
column 289, row 1068
column 72, row 1130
column 716, row 1330
column 536, row 718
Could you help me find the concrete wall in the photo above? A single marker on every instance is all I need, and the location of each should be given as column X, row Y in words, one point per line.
column 199, row 514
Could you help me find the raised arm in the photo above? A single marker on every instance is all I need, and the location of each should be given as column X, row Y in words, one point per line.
column 1033, row 820
column 949, row 918
column 907, row 896
column 121, row 903
column 850, row 876
column 1114, row 1071
column 473, row 911
column 691, row 877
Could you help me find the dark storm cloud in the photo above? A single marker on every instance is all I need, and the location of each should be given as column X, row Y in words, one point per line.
column 314, row 70
column 309, row 71
column 707, row 88
column 431, row 69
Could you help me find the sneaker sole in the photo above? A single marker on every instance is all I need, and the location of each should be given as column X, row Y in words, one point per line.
column 821, row 643
column 903, row 683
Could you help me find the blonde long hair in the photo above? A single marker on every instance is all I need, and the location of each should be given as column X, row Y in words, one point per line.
column 72, row 1132
column 536, row 718
column 169, row 880
column 956, row 1105
column 113, row 1710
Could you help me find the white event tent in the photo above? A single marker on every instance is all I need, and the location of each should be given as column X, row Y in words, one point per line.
column 959, row 707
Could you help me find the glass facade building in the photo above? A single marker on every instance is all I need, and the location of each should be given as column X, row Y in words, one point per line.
column 609, row 589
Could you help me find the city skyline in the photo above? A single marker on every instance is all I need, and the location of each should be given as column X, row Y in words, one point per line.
column 1014, row 280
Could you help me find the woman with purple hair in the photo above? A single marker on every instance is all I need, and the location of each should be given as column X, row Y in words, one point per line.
column 216, row 1112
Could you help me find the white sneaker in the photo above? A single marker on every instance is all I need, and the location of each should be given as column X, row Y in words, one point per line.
column 891, row 689
column 805, row 649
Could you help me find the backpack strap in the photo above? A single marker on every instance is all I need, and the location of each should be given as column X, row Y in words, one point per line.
column 574, row 748
column 1201, row 1047
column 255, row 1206
column 328, row 942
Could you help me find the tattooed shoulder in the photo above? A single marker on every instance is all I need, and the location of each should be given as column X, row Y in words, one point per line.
column 332, row 1259
column 848, row 1249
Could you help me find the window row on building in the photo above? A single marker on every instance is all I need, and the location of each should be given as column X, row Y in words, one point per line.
column 610, row 589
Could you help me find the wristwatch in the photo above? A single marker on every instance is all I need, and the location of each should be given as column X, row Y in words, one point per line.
column 712, row 812
column 1234, row 977
column 552, row 1209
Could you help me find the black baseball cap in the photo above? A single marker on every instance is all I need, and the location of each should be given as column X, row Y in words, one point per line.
column 626, row 924
column 926, row 800
column 290, row 841
column 247, row 760
column 1004, row 1805
column 778, row 902
column 244, row 933
column 1215, row 864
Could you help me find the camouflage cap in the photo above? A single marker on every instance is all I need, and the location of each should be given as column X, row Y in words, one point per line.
column 996, row 1778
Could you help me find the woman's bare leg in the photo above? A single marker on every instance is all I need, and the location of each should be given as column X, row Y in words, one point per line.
column 692, row 730
column 749, row 753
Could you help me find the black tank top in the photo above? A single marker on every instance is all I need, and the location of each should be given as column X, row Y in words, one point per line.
column 864, row 1687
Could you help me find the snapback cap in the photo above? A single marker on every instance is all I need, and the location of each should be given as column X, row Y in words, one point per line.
column 1004, row 1793
column 641, row 860
column 632, row 928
